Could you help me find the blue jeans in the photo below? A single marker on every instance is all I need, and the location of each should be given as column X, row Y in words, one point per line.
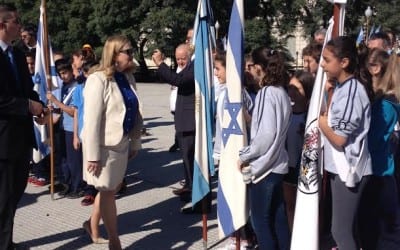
column 268, row 213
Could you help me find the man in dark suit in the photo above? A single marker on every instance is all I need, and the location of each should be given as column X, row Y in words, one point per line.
column 18, row 103
column 184, row 110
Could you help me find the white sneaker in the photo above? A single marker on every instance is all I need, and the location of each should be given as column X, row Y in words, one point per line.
column 231, row 245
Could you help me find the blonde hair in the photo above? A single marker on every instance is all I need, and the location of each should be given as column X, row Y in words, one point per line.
column 389, row 85
column 112, row 47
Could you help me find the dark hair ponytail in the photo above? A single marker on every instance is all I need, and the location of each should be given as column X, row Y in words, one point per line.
column 344, row 47
column 273, row 64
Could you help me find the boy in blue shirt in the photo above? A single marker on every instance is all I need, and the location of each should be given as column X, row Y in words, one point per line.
column 73, row 167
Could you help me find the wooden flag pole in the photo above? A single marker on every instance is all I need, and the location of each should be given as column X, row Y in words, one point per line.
column 237, row 239
column 204, row 220
column 335, row 33
column 336, row 19
column 49, row 88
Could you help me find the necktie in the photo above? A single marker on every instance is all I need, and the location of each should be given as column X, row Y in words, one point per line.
column 9, row 52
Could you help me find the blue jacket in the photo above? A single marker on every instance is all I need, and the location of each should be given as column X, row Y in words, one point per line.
column 384, row 116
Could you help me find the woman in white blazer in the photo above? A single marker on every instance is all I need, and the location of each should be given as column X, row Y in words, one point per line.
column 111, row 133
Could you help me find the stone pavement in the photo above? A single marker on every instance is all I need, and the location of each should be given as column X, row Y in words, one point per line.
column 149, row 214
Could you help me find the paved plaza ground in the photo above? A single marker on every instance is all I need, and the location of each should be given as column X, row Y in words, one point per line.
column 149, row 214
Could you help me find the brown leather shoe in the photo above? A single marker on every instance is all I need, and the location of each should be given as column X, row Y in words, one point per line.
column 181, row 191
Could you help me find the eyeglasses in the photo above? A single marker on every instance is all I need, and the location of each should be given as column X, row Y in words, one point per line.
column 128, row 52
column 370, row 64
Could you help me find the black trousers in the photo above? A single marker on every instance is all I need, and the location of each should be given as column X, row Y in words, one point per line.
column 186, row 142
column 13, row 180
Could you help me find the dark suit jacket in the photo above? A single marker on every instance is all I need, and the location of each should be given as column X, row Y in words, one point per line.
column 184, row 110
column 16, row 124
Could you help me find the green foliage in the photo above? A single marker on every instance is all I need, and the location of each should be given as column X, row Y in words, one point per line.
column 164, row 23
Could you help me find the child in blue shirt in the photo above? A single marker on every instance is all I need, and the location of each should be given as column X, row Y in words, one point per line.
column 77, row 101
column 73, row 167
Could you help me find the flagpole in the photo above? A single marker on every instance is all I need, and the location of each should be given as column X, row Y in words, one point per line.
column 49, row 88
column 336, row 19
column 204, row 220
column 324, row 184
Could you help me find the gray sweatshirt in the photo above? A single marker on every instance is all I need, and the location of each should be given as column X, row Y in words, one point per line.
column 266, row 152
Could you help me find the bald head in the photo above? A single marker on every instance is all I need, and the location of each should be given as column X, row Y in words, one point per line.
column 182, row 55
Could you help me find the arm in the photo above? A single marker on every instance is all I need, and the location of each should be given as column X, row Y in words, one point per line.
column 266, row 132
column 76, row 140
column 383, row 119
column 93, row 115
column 336, row 140
column 11, row 105
column 181, row 79
column 65, row 108
column 346, row 113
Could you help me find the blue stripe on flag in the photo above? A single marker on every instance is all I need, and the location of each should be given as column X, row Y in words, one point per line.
column 232, row 204
column 40, row 83
column 203, row 71
column 236, row 38
column 224, row 213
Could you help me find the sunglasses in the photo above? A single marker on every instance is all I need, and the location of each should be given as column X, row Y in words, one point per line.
column 128, row 52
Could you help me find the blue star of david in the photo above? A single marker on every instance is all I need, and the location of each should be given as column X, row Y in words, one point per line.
column 37, row 78
column 233, row 128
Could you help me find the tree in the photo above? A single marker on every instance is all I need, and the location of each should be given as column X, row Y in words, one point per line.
column 164, row 23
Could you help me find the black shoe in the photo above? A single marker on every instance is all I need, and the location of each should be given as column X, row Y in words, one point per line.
column 65, row 190
column 187, row 197
column 181, row 191
column 58, row 187
column 189, row 209
column 173, row 148
column 74, row 195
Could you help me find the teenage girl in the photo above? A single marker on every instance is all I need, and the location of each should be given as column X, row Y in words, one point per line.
column 379, row 220
column 299, row 90
column 266, row 154
column 220, row 73
column 345, row 128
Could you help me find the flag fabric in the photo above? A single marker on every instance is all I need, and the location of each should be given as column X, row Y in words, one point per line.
column 40, row 86
column 360, row 37
column 372, row 31
column 305, row 233
column 232, row 208
column 204, row 99
column 378, row 29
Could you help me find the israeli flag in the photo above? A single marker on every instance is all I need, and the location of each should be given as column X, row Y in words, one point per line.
column 360, row 37
column 40, row 86
column 232, row 208
column 204, row 99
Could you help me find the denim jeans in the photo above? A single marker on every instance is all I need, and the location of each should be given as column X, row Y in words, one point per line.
column 268, row 213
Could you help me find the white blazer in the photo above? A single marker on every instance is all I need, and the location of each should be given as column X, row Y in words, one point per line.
column 104, row 112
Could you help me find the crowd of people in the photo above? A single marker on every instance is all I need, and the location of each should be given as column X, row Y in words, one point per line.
column 359, row 129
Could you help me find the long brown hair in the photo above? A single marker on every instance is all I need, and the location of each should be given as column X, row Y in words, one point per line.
column 273, row 64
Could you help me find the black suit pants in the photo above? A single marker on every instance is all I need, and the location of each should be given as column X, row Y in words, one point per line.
column 13, row 179
column 186, row 144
